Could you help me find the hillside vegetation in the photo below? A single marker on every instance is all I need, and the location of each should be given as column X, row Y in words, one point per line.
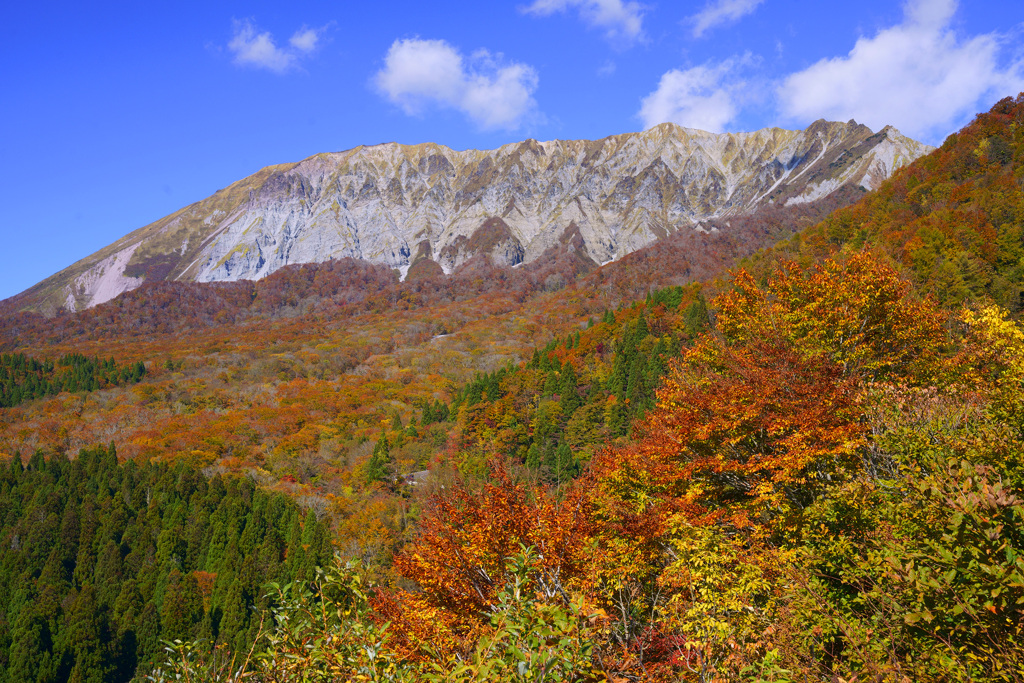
column 102, row 562
column 952, row 220
column 23, row 378
column 808, row 470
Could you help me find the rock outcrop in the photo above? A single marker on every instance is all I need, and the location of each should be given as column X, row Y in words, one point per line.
column 396, row 204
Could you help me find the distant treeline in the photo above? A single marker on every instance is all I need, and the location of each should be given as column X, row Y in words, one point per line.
column 23, row 378
column 100, row 562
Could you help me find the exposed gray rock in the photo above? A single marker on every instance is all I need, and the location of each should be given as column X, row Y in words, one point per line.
column 393, row 203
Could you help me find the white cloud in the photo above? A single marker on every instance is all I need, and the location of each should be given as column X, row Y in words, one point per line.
column 918, row 76
column 621, row 21
column 257, row 49
column 720, row 12
column 419, row 74
column 703, row 97
column 305, row 39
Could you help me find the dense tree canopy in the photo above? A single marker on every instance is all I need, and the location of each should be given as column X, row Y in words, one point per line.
column 23, row 378
column 100, row 562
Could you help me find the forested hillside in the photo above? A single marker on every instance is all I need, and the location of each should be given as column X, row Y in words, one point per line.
column 23, row 378
column 952, row 220
column 100, row 562
column 829, row 485
column 575, row 395
column 807, row 469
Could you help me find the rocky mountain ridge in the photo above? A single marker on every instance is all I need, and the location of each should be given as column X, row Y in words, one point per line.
column 398, row 204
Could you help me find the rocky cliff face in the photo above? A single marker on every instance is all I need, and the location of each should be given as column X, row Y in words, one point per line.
column 398, row 204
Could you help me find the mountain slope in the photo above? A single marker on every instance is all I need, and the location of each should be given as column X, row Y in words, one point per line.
column 953, row 220
column 394, row 204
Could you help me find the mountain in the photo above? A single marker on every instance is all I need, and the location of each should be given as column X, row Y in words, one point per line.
column 395, row 204
column 953, row 221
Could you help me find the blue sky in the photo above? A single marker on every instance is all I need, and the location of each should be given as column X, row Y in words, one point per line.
column 116, row 114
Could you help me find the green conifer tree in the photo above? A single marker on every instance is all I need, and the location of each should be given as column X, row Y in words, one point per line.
column 378, row 467
column 570, row 398
column 182, row 609
column 87, row 637
column 533, row 459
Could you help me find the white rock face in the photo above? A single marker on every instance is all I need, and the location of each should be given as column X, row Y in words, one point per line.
column 377, row 203
column 393, row 203
column 106, row 279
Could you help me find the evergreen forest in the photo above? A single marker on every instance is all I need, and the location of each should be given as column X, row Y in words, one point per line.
column 23, row 378
column 102, row 562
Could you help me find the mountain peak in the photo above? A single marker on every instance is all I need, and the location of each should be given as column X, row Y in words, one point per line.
column 391, row 203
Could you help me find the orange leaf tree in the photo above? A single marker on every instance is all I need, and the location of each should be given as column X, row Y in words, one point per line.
column 760, row 418
column 459, row 560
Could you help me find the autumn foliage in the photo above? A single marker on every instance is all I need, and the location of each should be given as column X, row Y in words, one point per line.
column 808, row 470
column 750, row 527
